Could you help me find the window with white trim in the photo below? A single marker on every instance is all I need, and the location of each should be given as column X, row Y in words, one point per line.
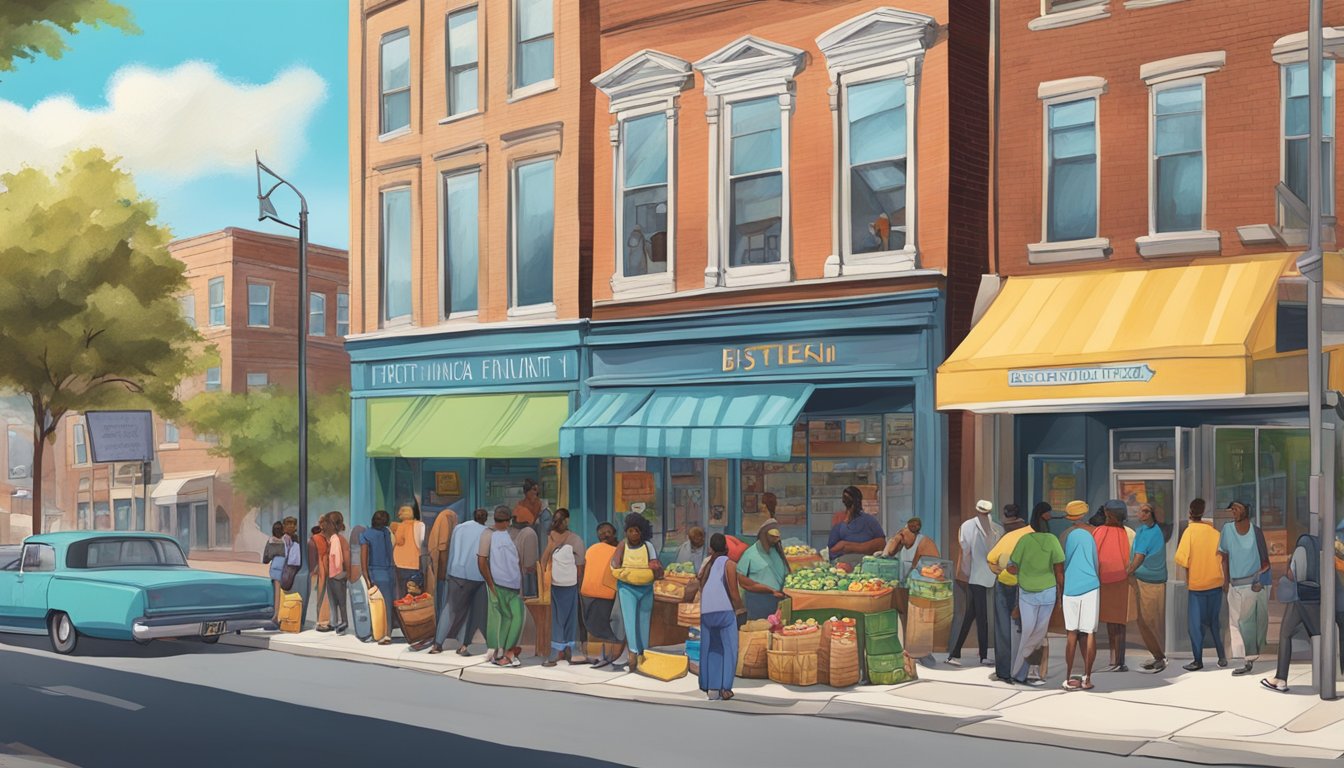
column 461, row 242
column 342, row 314
column 81, row 444
column 1178, row 156
column 395, row 82
column 749, row 87
column 532, row 234
column 1296, row 144
column 317, row 314
column 171, row 435
column 189, row 308
column 216, row 297
column 213, row 380
column 1071, row 171
column 259, row 305
column 463, row 62
column 396, row 254
column 534, row 44
column 874, row 61
column 644, row 91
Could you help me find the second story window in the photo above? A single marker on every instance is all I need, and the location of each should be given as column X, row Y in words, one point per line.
column 342, row 314
column 875, row 190
column 396, row 255
column 395, row 82
column 534, row 44
column 213, row 380
column 1071, row 171
column 644, row 194
column 1296, row 143
column 81, row 444
column 217, row 314
column 171, row 435
column 755, row 182
column 463, row 66
column 1178, row 157
column 259, row 305
column 461, row 242
column 532, row 235
column 189, row 308
column 317, row 314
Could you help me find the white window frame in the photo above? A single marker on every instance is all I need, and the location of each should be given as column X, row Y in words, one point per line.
column 172, row 436
column 444, row 291
column 222, row 306
column 517, row 92
column 80, row 440
column 1088, row 249
column 646, row 83
column 342, row 310
column 746, row 69
column 409, row 318
column 449, row 66
column 265, row 381
column 270, row 299
column 1074, row 12
column 219, row 380
column 317, row 327
column 547, row 309
column 1327, row 211
column 383, row 40
column 884, row 44
column 188, row 304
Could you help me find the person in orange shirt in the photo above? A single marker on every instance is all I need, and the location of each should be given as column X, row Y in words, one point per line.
column 317, row 557
column 1198, row 554
column 529, row 508
column 597, row 598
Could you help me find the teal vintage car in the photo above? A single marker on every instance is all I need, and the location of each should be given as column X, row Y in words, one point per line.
column 123, row 586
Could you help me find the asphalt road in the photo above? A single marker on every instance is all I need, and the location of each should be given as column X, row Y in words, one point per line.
column 187, row 704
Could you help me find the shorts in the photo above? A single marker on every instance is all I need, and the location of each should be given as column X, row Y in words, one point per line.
column 1081, row 612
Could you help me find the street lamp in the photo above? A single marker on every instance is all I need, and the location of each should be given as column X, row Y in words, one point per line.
column 266, row 210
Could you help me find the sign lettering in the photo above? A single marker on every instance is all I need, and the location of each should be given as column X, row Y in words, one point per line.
column 121, row 436
column 760, row 356
column 1097, row 374
column 477, row 370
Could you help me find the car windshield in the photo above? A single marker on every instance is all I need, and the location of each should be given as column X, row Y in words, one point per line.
column 125, row 553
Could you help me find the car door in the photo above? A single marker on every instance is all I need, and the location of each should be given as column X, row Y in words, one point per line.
column 36, row 568
column 9, row 584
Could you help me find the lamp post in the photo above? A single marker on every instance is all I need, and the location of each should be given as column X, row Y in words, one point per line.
column 267, row 211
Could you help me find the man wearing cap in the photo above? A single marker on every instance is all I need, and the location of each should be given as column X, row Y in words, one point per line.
column 1245, row 576
column 761, row 572
column 976, row 537
column 1082, row 594
column 1006, row 630
column 1198, row 554
column 497, row 557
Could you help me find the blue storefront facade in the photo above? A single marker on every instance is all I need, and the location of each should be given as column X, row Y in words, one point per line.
column 696, row 419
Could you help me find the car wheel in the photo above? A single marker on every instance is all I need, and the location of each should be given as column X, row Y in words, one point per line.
column 61, row 630
column 210, row 640
column 140, row 642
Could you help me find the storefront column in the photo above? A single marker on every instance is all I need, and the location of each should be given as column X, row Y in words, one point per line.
column 361, row 468
column 931, row 455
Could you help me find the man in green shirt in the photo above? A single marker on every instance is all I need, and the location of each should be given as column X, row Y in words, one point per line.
column 761, row 572
column 1038, row 563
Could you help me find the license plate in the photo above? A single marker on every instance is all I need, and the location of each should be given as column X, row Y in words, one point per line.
column 212, row 628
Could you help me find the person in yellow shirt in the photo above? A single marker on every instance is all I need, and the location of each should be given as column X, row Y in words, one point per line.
column 1007, row 630
column 1198, row 554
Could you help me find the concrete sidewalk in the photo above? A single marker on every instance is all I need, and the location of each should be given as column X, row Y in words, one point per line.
column 1205, row 717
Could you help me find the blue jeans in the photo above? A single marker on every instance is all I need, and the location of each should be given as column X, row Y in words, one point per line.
column 1204, row 607
column 637, row 610
column 1006, row 628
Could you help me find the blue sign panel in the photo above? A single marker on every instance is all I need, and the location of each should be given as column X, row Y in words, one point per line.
column 802, row 357
column 474, row 371
column 1096, row 374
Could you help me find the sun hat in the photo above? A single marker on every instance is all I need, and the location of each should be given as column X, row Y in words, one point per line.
column 1076, row 509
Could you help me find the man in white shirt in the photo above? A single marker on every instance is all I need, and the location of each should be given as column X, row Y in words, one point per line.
column 977, row 537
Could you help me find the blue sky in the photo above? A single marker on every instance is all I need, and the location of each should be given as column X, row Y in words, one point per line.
column 265, row 62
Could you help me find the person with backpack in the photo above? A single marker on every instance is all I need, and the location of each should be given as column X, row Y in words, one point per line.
column 1245, row 562
column 1300, row 591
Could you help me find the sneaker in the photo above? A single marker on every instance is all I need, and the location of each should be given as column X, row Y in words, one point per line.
column 1034, row 682
column 1246, row 670
column 1150, row 666
column 463, row 651
column 1193, row 666
column 986, row 663
column 1222, row 663
column 1116, row 668
column 1158, row 666
column 324, row 628
column 953, row 661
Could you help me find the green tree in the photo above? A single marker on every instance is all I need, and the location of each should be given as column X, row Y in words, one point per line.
column 88, row 307
column 29, row 28
column 258, row 432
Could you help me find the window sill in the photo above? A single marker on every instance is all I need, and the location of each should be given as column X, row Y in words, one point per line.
column 533, row 311
column 1179, row 244
column 1069, row 18
column 168, row 446
column 1257, row 234
column 460, row 116
column 535, row 89
column 642, row 286
column 757, row 274
column 1134, row 5
column 1093, row 249
column 398, row 133
column 401, row 323
column 872, row 264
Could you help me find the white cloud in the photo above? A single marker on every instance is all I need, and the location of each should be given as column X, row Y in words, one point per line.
column 177, row 124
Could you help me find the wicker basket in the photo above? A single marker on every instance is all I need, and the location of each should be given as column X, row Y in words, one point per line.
column 752, row 645
column 688, row 615
column 838, row 662
column 805, row 642
column 417, row 620
column 862, row 602
column 792, row 668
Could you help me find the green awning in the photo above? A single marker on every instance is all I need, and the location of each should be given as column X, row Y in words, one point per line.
column 734, row 421
column 512, row 426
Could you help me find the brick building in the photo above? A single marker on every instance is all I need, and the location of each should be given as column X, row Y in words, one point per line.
column 243, row 298
column 1141, row 333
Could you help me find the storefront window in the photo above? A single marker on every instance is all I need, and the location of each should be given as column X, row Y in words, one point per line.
column 843, row 452
column 687, row 507
column 900, row 464
column 638, row 488
column 718, row 498
column 1285, row 470
column 1143, row 449
column 1235, row 472
column 504, row 482
column 788, row 482
column 444, row 484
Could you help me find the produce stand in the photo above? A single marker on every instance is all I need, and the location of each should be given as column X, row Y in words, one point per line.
column 928, row 624
column 677, row 587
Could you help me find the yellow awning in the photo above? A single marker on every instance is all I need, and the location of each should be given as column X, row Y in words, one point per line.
column 1191, row 333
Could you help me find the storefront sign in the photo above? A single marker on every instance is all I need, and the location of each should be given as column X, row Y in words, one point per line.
column 778, row 355
column 476, row 371
column 838, row 356
column 1097, row 374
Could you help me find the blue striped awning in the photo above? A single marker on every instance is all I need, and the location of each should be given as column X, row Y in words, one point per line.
column 732, row 421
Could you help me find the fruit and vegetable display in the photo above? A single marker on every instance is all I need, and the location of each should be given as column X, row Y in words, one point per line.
column 826, row 579
column 667, row 588
column 685, row 569
column 799, row 550
column 931, row 579
column 888, row 569
column 800, row 627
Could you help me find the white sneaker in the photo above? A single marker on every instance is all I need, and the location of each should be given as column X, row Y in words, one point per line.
column 953, row 662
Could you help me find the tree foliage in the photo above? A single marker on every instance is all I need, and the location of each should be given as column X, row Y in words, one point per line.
column 32, row 28
column 258, row 431
column 89, row 312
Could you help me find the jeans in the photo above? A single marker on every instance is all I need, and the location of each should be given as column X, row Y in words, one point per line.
column 1036, row 609
column 1204, row 607
column 977, row 611
column 1007, row 630
column 466, row 608
column 1304, row 618
column 441, row 597
column 564, row 618
column 336, row 599
column 637, row 610
column 718, row 650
